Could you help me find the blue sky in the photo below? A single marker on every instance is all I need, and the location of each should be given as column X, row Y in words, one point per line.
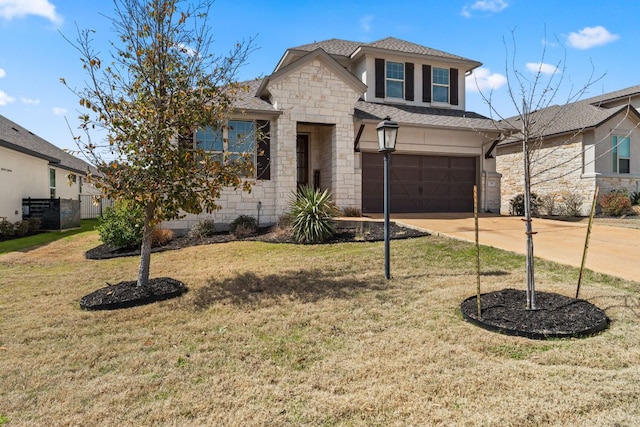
column 595, row 35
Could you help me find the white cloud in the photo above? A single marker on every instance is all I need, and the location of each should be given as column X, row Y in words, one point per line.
column 5, row 99
column 2, row 73
column 483, row 79
column 541, row 67
column 365, row 23
column 29, row 101
column 10, row 9
column 590, row 37
column 493, row 6
column 59, row 111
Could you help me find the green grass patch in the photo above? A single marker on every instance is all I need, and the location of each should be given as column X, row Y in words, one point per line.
column 29, row 242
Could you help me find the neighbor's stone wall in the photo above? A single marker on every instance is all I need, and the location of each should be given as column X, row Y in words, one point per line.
column 556, row 169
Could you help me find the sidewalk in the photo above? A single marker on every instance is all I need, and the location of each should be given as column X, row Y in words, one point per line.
column 612, row 250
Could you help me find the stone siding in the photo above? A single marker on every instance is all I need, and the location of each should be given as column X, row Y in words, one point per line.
column 556, row 171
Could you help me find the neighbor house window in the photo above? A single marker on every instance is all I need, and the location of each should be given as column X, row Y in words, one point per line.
column 441, row 85
column 395, row 80
column 52, row 183
column 621, row 154
column 235, row 139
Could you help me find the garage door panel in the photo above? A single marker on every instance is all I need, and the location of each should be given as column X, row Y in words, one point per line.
column 419, row 183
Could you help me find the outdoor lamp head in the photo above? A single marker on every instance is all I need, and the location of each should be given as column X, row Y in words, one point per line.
column 387, row 135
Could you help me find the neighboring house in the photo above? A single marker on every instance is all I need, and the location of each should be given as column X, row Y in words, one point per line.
column 31, row 167
column 318, row 113
column 589, row 143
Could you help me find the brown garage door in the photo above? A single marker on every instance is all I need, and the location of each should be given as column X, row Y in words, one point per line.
column 419, row 183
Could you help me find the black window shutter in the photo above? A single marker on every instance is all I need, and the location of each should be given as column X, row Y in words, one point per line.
column 426, row 83
column 379, row 78
column 263, row 160
column 453, row 86
column 408, row 81
column 186, row 140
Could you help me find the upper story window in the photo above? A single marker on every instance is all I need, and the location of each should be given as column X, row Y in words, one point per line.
column 441, row 85
column 621, row 154
column 395, row 80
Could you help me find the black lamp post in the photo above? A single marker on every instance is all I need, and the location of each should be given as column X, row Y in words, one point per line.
column 387, row 135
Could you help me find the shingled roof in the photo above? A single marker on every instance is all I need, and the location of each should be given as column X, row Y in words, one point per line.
column 563, row 119
column 17, row 138
column 249, row 101
column 348, row 48
column 425, row 116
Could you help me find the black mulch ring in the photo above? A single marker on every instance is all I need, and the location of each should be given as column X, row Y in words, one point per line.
column 371, row 232
column 129, row 294
column 557, row 316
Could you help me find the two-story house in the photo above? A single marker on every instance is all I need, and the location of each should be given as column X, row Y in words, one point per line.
column 317, row 114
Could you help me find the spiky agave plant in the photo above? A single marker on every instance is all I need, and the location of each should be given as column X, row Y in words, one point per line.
column 313, row 214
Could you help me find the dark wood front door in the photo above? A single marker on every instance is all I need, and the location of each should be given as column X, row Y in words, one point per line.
column 302, row 160
column 419, row 183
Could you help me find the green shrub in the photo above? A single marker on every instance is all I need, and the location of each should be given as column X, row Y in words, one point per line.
column 121, row 226
column 7, row 230
column 204, row 228
column 571, row 203
column 616, row 203
column 21, row 228
column 635, row 198
column 244, row 225
column 516, row 205
column 34, row 225
column 313, row 212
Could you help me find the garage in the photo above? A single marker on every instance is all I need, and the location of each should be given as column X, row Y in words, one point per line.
column 419, row 183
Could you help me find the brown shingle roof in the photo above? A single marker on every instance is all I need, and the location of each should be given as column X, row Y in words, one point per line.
column 347, row 48
column 249, row 101
column 17, row 138
column 425, row 116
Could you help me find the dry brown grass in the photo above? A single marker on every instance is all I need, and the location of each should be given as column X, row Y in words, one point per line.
column 276, row 335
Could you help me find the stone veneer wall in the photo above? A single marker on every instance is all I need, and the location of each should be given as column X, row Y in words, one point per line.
column 311, row 94
column 556, row 170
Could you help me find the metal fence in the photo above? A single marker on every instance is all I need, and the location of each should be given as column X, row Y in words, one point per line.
column 91, row 207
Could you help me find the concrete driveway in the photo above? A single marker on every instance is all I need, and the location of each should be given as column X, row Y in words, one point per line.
column 612, row 250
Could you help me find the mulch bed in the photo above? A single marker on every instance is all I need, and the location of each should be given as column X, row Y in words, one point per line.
column 128, row 294
column 557, row 316
column 371, row 232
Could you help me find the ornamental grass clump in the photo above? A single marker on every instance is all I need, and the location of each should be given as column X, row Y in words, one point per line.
column 313, row 213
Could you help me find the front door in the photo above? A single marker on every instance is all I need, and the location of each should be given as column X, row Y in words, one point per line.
column 302, row 160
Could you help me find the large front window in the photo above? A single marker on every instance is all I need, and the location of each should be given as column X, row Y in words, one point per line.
column 233, row 140
column 441, row 85
column 621, row 153
column 395, row 80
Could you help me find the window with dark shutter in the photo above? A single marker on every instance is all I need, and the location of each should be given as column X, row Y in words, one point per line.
column 380, row 78
column 408, row 81
column 426, row 83
column 453, row 86
column 263, row 157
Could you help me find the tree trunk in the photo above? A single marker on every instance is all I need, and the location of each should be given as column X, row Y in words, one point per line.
column 531, row 286
column 145, row 249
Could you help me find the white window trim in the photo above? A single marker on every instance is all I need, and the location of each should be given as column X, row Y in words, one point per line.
column 387, row 79
column 434, row 85
column 616, row 150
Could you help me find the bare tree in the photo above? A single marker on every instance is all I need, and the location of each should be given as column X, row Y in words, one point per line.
column 159, row 83
column 534, row 96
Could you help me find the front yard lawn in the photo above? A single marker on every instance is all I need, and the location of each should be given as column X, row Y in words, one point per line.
column 280, row 334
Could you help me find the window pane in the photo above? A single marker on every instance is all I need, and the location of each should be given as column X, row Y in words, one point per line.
column 624, row 166
column 441, row 76
column 395, row 70
column 440, row 94
column 52, row 178
column 209, row 139
column 241, row 136
column 624, row 147
column 395, row 89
